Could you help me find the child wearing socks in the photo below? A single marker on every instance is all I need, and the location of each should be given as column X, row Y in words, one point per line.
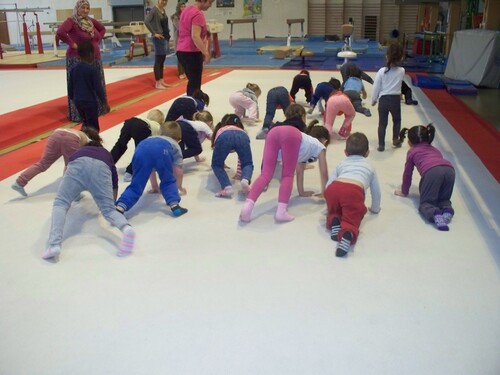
column 63, row 142
column 296, row 148
column 353, row 87
column 137, row 129
column 345, row 193
column 437, row 176
column 387, row 92
column 163, row 155
column 338, row 103
column 245, row 102
column 230, row 136
column 277, row 97
column 302, row 81
column 321, row 93
column 90, row 168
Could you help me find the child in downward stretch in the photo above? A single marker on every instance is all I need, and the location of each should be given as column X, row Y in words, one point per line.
column 338, row 103
column 437, row 176
column 163, row 155
column 296, row 148
column 277, row 97
column 345, row 193
column 63, row 142
column 387, row 92
column 302, row 81
column 90, row 168
column 230, row 136
column 245, row 102
column 137, row 129
column 203, row 124
column 321, row 93
column 353, row 87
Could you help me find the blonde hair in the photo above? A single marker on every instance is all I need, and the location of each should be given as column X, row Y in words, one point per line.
column 205, row 117
column 156, row 115
column 255, row 88
column 171, row 129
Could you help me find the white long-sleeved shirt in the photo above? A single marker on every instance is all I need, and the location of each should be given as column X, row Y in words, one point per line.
column 356, row 167
column 387, row 83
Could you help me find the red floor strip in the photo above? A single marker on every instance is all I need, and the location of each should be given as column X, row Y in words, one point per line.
column 20, row 159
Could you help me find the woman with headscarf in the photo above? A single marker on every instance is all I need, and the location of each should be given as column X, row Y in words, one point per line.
column 76, row 29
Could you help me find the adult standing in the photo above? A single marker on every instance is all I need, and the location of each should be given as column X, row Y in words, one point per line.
column 192, row 45
column 175, row 28
column 157, row 23
column 75, row 30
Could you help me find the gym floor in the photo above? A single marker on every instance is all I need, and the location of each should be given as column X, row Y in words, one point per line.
column 204, row 294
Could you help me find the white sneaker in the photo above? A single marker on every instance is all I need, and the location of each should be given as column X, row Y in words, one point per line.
column 51, row 252
column 127, row 177
column 20, row 189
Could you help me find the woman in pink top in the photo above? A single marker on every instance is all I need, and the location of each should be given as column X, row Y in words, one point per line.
column 192, row 44
column 76, row 29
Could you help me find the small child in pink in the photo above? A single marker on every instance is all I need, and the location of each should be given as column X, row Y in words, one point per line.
column 63, row 142
column 245, row 102
column 338, row 103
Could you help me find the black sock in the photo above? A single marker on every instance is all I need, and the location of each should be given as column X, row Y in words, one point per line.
column 335, row 229
column 344, row 244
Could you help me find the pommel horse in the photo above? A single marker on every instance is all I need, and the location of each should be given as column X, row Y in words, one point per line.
column 291, row 21
column 240, row 20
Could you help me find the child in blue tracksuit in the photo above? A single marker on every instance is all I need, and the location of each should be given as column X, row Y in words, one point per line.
column 277, row 97
column 322, row 92
column 163, row 155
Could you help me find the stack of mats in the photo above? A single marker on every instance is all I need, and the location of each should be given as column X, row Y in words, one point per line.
column 427, row 82
column 459, row 87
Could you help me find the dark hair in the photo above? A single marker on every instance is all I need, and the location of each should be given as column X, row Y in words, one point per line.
column 200, row 95
column 93, row 134
column 418, row 134
column 229, row 119
column 394, row 55
column 294, row 111
column 335, row 83
column 85, row 50
column 318, row 131
column 356, row 144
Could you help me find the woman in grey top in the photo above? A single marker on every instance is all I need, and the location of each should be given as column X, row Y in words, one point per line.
column 157, row 23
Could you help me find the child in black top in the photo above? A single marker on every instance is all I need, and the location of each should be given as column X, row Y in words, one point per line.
column 85, row 87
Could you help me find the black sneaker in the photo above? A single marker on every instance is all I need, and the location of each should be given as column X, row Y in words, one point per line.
column 397, row 143
column 380, row 148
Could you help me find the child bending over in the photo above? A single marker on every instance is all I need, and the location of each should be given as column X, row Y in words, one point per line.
column 437, row 176
column 302, row 81
column 163, row 155
column 345, row 193
column 277, row 97
column 296, row 148
column 321, row 93
column 90, row 168
column 230, row 136
column 245, row 102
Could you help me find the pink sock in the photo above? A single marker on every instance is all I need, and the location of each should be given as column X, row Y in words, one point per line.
column 246, row 211
column 282, row 213
column 128, row 241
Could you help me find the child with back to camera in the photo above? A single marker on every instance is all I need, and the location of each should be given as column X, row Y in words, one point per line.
column 387, row 92
column 230, row 136
column 437, row 176
column 277, row 97
column 137, row 129
column 296, row 148
column 338, row 103
column 203, row 125
column 302, row 81
column 245, row 102
column 85, row 87
column 353, row 87
column 321, row 93
column 90, row 168
column 63, row 142
column 345, row 193
column 163, row 155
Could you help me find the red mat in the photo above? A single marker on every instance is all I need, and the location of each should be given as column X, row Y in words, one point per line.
column 33, row 121
column 479, row 134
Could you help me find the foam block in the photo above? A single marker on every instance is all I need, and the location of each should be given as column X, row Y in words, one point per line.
column 427, row 82
column 461, row 89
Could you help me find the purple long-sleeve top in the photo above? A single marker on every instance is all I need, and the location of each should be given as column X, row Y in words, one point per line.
column 69, row 32
column 423, row 156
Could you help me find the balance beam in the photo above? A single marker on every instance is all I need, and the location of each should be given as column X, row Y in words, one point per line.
column 240, row 20
column 290, row 22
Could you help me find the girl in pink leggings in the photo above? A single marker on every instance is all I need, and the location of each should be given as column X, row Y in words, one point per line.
column 63, row 142
column 338, row 103
column 296, row 148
